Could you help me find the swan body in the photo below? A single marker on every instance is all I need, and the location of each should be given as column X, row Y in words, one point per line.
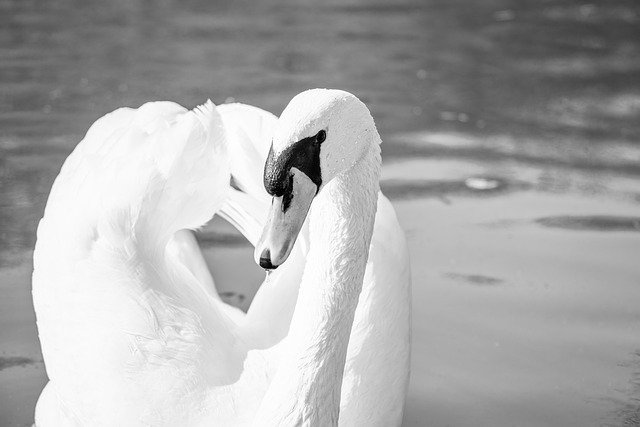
column 131, row 327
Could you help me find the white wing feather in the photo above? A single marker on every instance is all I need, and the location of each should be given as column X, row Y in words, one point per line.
column 102, row 273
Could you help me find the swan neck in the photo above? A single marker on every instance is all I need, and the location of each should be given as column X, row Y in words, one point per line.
column 308, row 383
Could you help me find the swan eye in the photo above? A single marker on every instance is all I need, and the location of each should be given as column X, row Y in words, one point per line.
column 321, row 136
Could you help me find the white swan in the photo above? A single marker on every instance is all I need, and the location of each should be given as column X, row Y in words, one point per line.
column 131, row 328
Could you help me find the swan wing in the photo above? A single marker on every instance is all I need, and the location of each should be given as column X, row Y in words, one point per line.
column 128, row 332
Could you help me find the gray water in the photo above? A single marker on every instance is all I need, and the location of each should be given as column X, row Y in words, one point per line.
column 541, row 99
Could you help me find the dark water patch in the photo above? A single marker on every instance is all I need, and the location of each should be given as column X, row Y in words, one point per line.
column 219, row 233
column 235, row 299
column 11, row 362
column 208, row 238
column 475, row 279
column 406, row 189
column 402, row 8
column 372, row 36
column 591, row 222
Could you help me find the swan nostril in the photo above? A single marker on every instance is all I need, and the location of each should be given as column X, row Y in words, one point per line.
column 265, row 260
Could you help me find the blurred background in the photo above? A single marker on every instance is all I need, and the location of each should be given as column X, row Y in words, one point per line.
column 511, row 148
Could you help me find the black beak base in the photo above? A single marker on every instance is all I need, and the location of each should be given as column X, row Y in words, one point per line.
column 265, row 260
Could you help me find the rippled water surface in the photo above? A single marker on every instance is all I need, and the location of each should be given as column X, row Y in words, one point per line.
column 512, row 154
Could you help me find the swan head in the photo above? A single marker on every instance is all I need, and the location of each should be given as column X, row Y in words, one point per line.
column 320, row 134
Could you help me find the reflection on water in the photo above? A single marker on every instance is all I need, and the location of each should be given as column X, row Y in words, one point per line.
column 476, row 279
column 598, row 223
column 542, row 97
column 10, row 362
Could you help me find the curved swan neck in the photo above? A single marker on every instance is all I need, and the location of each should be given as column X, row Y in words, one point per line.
column 306, row 388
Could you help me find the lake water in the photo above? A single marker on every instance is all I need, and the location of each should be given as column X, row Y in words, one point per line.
column 512, row 153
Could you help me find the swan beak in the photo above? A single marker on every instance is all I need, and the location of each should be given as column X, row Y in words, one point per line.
column 286, row 217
